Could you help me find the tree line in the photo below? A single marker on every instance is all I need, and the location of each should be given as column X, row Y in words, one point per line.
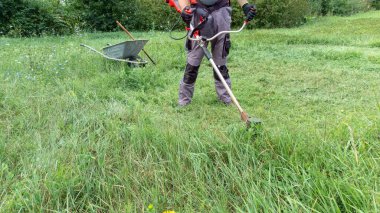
column 61, row 17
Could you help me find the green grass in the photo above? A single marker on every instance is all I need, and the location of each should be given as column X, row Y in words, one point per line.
column 80, row 133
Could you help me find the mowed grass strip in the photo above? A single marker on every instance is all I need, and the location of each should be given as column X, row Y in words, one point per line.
column 80, row 133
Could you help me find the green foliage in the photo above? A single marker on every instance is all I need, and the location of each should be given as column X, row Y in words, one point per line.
column 41, row 17
column 7, row 9
column 375, row 4
column 156, row 15
column 348, row 7
column 282, row 13
column 339, row 7
column 135, row 15
column 101, row 15
column 33, row 18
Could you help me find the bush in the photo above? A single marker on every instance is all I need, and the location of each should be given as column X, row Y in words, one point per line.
column 134, row 14
column 338, row 7
column 281, row 13
column 7, row 9
column 315, row 7
column 33, row 18
column 348, row 7
column 156, row 15
column 100, row 15
column 40, row 17
column 375, row 4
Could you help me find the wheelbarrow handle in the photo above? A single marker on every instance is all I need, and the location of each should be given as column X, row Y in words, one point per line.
column 115, row 59
column 130, row 35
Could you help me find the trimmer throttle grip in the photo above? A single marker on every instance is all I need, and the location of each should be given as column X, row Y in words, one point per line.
column 188, row 11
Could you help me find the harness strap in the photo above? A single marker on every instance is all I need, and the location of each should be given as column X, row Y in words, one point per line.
column 205, row 12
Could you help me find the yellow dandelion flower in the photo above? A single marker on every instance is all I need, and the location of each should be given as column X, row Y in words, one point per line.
column 150, row 207
column 72, row 93
column 169, row 211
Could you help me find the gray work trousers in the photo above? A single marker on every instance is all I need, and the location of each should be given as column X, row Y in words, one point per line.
column 220, row 20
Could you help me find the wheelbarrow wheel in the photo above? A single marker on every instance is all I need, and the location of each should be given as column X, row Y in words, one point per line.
column 141, row 61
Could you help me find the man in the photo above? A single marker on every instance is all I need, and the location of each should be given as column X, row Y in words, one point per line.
column 218, row 14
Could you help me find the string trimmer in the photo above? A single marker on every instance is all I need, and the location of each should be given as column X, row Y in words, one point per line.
column 194, row 35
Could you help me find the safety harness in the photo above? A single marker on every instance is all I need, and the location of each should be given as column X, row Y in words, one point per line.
column 204, row 12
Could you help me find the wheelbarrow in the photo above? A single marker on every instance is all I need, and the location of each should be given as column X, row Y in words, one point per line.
column 126, row 51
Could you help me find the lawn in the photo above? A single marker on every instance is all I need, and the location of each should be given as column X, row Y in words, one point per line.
column 81, row 133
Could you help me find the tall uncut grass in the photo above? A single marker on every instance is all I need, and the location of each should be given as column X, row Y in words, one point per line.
column 80, row 133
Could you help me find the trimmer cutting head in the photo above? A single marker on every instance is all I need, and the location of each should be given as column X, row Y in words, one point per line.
column 253, row 122
column 250, row 122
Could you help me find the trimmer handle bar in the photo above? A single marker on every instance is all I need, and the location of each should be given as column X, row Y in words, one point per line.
column 202, row 43
column 200, row 38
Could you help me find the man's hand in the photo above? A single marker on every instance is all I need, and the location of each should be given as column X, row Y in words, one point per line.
column 249, row 11
column 187, row 15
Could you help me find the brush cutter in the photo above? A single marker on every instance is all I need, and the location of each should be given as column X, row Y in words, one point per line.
column 202, row 43
column 194, row 35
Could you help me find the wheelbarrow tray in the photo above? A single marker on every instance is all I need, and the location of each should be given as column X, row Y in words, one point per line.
column 126, row 49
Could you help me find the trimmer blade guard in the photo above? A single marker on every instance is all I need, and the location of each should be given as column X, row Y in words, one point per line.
column 250, row 122
column 253, row 122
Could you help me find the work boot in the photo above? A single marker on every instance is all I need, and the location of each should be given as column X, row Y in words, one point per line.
column 185, row 94
column 222, row 92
